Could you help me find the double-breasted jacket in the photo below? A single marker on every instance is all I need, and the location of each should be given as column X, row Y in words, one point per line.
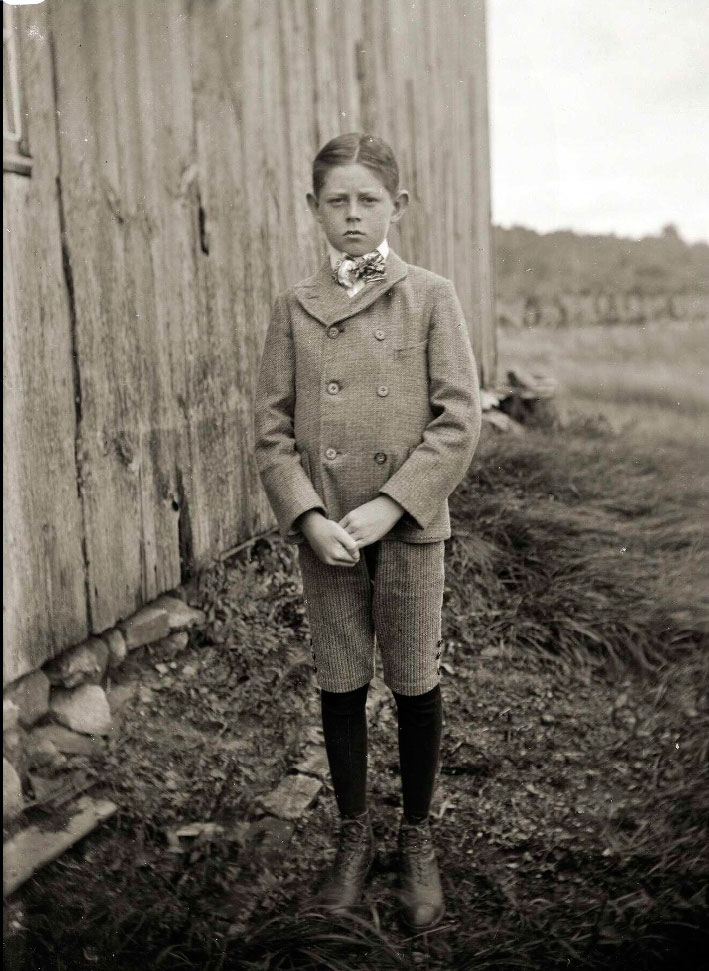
column 357, row 396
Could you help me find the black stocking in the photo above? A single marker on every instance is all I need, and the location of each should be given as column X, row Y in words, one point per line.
column 344, row 722
column 420, row 721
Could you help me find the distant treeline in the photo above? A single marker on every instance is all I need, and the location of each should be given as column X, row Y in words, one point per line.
column 561, row 279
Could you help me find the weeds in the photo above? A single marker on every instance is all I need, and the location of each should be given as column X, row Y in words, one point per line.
column 565, row 550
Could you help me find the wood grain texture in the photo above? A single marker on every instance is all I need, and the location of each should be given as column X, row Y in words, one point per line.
column 43, row 566
column 186, row 133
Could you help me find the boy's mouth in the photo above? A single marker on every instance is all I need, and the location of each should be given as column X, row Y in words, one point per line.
column 354, row 232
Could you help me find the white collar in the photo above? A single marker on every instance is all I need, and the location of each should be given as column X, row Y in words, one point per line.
column 336, row 255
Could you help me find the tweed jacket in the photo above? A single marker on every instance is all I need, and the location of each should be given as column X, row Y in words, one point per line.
column 357, row 396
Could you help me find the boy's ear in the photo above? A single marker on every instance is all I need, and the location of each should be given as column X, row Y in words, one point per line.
column 313, row 205
column 401, row 204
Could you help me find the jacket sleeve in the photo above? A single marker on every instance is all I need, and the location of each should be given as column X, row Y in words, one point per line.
column 438, row 464
column 287, row 485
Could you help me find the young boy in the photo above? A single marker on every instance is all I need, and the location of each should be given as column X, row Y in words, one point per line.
column 367, row 417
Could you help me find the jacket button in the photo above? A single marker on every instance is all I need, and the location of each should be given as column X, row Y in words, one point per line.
column 379, row 334
column 380, row 458
column 382, row 391
column 333, row 387
column 330, row 453
column 333, row 332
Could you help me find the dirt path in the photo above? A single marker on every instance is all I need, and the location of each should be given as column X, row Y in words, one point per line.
column 569, row 813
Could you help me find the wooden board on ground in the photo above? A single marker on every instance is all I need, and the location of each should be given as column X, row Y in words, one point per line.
column 33, row 847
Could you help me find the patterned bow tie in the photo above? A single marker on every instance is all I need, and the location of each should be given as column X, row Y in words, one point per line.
column 371, row 266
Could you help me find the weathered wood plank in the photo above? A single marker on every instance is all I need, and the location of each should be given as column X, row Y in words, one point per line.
column 296, row 43
column 235, row 278
column 106, row 332
column 43, row 570
column 33, row 847
column 478, row 136
column 157, row 149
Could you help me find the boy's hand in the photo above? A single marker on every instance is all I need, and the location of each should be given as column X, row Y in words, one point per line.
column 328, row 540
column 372, row 520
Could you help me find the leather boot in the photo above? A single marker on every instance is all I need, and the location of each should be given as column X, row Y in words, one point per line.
column 343, row 885
column 421, row 892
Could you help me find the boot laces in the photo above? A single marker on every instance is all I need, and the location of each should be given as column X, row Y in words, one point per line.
column 353, row 835
column 419, row 851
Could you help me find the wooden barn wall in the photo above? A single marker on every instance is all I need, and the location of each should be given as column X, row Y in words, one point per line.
column 44, row 597
column 183, row 140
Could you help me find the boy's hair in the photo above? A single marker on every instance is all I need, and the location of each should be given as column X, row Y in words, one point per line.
column 357, row 147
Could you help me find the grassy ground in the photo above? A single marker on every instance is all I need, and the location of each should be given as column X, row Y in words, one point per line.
column 572, row 810
column 651, row 380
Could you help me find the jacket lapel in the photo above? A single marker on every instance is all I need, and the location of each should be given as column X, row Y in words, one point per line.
column 323, row 298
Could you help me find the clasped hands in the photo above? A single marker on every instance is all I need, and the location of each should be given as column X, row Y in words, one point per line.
column 338, row 544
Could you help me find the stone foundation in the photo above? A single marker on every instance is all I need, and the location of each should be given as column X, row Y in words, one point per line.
column 64, row 709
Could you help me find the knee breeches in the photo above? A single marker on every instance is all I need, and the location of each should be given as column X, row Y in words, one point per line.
column 393, row 599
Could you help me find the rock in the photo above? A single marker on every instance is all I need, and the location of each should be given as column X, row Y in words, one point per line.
column 314, row 763
column 541, row 386
column 13, row 747
column 502, row 422
column 179, row 640
column 183, row 840
column 116, row 644
column 147, row 625
column 48, row 788
column 488, row 399
column 31, row 696
column 180, row 616
column 12, row 801
column 10, row 715
column 85, row 664
column 292, row 797
column 43, row 753
column 84, row 709
column 64, row 740
column 175, row 642
column 120, row 694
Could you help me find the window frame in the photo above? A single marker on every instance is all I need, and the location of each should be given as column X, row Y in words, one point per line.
column 16, row 155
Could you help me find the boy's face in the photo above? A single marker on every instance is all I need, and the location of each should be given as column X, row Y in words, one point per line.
column 355, row 210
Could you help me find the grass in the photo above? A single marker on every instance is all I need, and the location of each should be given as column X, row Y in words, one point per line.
column 588, row 551
column 611, row 535
column 572, row 810
column 650, row 380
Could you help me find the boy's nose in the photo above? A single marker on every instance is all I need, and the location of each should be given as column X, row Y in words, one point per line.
column 353, row 211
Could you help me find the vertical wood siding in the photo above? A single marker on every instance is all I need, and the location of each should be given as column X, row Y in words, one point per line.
column 44, row 599
column 183, row 142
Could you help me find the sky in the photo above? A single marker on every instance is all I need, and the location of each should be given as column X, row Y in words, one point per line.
column 599, row 113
